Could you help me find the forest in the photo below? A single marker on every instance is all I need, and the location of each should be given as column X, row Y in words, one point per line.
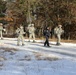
column 40, row 12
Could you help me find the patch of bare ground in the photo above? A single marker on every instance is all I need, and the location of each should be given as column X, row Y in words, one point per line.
column 1, row 65
column 2, row 58
column 54, row 39
column 27, row 58
column 11, row 50
column 66, row 41
column 41, row 56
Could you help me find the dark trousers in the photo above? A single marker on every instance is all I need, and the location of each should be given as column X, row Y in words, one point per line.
column 46, row 41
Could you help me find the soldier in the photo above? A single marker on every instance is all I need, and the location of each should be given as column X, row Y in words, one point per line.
column 31, row 30
column 58, row 32
column 20, row 33
column 47, row 33
column 1, row 29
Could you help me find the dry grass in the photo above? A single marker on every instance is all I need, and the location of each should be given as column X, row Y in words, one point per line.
column 12, row 51
column 1, row 65
column 2, row 58
column 8, row 49
column 66, row 41
column 4, row 50
column 54, row 39
column 27, row 58
column 40, row 56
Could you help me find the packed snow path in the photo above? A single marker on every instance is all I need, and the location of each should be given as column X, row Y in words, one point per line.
column 66, row 50
column 35, row 59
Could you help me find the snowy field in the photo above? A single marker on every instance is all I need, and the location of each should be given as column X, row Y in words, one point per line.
column 35, row 59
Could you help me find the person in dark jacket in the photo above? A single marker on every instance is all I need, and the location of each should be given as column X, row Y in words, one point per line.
column 47, row 33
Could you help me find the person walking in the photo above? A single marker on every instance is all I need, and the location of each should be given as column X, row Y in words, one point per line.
column 58, row 32
column 1, row 29
column 20, row 32
column 31, row 30
column 47, row 33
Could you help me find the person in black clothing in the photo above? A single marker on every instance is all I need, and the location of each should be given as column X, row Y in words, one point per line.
column 47, row 33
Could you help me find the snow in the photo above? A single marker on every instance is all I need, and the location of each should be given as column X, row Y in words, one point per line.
column 35, row 59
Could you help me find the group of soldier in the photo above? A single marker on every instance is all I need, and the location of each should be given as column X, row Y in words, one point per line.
column 20, row 32
column 31, row 29
column 58, row 31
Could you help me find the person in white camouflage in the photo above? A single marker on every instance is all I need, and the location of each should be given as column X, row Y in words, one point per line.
column 31, row 30
column 58, row 32
column 1, row 29
column 20, row 32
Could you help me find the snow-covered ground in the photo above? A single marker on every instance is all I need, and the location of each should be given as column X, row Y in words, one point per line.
column 35, row 59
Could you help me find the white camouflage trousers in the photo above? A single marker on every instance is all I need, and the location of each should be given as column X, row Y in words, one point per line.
column 58, row 38
column 1, row 35
column 20, row 38
column 32, row 35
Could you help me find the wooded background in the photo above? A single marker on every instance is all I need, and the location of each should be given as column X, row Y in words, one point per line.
column 40, row 12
